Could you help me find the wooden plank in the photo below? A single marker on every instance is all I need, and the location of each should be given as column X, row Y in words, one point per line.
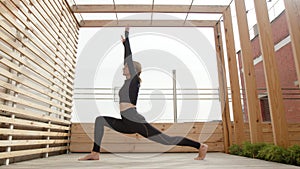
column 293, row 17
column 148, row 8
column 31, row 104
column 254, row 113
column 234, row 78
column 17, row 132
column 223, row 88
column 277, row 111
column 29, row 114
column 148, row 23
column 5, row 143
column 32, row 151
column 31, row 123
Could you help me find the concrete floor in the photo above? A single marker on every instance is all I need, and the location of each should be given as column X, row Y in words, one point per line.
column 149, row 160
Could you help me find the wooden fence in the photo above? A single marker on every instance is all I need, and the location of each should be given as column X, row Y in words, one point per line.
column 38, row 42
column 211, row 133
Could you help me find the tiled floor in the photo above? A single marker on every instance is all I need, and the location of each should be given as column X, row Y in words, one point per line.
column 149, row 160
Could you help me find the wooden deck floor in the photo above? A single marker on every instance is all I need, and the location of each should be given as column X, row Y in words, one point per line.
column 149, row 160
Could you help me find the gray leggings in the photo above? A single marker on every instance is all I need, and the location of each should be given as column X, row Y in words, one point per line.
column 132, row 122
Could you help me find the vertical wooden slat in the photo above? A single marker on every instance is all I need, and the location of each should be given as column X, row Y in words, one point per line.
column 254, row 113
column 223, row 89
column 234, row 81
column 292, row 8
column 278, row 118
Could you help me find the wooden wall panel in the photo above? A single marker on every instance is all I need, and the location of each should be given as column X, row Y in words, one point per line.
column 38, row 42
column 212, row 133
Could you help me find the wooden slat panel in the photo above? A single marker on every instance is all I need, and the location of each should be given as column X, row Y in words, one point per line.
column 32, row 123
column 29, row 152
column 275, row 99
column 165, row 127
column 63, row 24
column 153, row 147
column 70, row 19
column 33, row 58
column 5, row 143
column 254, row 113
column 148, row 23
column 210, row 133
column 148, row 8
column 31, row 95
column 68, row 48
column 37, row 26
column 46, row 15
column 16, row 132
column 114, row 137
column 29, row 114
column 22, row 81
column 29, row 75
column 31, row 104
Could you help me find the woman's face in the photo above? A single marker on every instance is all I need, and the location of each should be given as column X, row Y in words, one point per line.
column 126, row 70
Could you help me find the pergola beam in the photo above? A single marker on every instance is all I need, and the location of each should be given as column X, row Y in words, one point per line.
column 148, row 8
column 148, row 23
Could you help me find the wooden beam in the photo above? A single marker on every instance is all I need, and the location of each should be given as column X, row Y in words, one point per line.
column 293, row 16
column 254, row 113
column 148, row 23
column 234, row 79
column 148, row 8
column 277, row 111
column 226, row 122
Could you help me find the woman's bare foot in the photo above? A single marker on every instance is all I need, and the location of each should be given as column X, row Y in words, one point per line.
column 202, row 152
column 92, row 156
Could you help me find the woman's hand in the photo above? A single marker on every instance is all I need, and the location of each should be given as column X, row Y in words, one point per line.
column 127, row 29
column 122, row 38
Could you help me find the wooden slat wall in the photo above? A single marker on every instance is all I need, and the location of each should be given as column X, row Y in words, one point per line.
column 82, row 137
column 293, row 133
column 38, row 41
column 211, row 133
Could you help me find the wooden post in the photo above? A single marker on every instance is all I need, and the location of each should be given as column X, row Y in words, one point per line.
column 254, row 113
column 234, row 79
column 223, row 89
column 279, row 124
column 293, row 17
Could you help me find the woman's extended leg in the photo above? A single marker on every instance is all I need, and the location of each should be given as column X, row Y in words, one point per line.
column 148, row 131
column 100, row 122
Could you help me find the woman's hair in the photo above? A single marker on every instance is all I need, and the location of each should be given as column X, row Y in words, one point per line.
column 138, row 69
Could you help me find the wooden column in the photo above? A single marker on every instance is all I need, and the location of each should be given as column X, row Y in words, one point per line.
column 292, row 8
column 279, row 124
column 223, row 89
column 254, row 113
column 234, row 79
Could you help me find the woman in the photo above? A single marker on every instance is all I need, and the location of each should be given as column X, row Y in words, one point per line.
column 132, row 122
